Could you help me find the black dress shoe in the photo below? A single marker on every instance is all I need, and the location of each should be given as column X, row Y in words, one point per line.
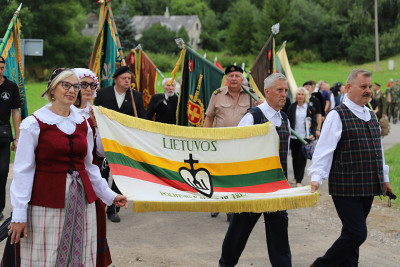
column 114, row 217
column 1, row 216
column 214, row 214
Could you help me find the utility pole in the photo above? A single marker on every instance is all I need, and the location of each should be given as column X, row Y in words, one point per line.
column 376, row 36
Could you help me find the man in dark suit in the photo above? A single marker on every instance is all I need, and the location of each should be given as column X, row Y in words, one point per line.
column 164, row 105
column 340, row 98
column 117, row 97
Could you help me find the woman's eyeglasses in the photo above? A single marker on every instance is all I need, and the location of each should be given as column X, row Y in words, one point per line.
column 85, row 85
column 67, row 86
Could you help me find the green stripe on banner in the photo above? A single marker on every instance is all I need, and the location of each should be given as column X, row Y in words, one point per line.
column 241, row 180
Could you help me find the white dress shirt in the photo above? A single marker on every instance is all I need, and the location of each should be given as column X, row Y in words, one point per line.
column 120, row 97
column 272, row 115
column 300, row 125
column 330, row 136
column 25, row 165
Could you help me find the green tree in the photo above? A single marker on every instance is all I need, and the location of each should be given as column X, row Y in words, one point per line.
column 59, row 24
column 159, row 39
column 239, row 36
column 188, row 7
column 126, row 30
column 129, row 7
column 153, row 7
column 8, row 9
column 209, row 31
column 308, row 19
column 274, row 11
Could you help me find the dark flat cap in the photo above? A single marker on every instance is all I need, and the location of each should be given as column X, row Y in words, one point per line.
column 233, row 68
column 307, row 83
column 377, row 84
column 120, row 71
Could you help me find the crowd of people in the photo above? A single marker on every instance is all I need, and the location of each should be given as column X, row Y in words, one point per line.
column 60, row 189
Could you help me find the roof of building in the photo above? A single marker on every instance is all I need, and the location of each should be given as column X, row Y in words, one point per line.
column 174, row 23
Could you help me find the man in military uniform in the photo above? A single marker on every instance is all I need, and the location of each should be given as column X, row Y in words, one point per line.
column 228, row 104
column 380, row 100
column 393, row 100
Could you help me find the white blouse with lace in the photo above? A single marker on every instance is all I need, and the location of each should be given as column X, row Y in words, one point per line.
column 24, row 163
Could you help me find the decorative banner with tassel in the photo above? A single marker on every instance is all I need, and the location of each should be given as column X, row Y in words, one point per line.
column 164, row 167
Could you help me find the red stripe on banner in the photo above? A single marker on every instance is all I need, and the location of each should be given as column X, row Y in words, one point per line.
column 122, row 170
column 261, row 188
column 117, row 169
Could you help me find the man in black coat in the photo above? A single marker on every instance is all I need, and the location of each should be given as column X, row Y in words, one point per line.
column 118, row 98
column 164, row 105
column 9, row 105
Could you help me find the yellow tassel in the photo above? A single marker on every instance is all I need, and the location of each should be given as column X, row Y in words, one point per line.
column 235, row 206
column 178, row 64
column 226, row 133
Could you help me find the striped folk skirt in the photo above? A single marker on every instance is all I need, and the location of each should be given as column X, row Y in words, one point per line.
column 45, row 232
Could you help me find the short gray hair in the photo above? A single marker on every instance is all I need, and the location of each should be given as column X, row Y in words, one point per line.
column 271, row 79
column 354, row 73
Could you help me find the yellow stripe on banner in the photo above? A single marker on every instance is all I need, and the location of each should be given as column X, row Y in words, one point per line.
column 226, row 133
column 219, row 169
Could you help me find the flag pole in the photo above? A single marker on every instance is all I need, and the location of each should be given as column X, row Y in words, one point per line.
column 139, row 47
column 122, row 57
column 9, row 29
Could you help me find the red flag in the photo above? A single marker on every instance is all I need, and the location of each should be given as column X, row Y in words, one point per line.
column 147, row 77
column 218, row 65
column 130, row 60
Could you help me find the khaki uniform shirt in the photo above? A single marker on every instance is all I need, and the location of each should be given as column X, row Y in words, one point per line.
column 380, row 98
column 225, row 110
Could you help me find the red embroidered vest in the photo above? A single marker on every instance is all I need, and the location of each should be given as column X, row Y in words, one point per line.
column 56, row 153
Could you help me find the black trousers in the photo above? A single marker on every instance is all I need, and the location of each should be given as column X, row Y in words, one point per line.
column 353, row 212
column 298, row 160
column 105, row 172
column 4, row 168
column 276, row 231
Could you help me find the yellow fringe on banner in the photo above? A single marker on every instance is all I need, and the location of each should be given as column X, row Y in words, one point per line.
column 178, row 64
column 227, row 133
column 235, row 206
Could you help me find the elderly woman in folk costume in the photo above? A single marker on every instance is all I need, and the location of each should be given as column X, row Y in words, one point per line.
column 89, row 84
column 55, row 182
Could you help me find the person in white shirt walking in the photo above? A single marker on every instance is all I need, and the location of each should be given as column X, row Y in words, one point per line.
column 349, row 154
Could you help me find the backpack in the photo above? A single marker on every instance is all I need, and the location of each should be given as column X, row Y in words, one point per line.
column 385, row 127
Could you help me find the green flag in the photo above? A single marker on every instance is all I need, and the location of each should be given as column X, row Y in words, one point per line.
column 12, row 54
column 105, row 57
column 200, row 78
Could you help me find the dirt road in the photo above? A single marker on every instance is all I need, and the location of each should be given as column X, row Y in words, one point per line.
column 195, row 239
